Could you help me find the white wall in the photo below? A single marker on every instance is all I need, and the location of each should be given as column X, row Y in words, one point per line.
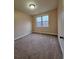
column 22, row 24
column 52, row 26
column 61, row 23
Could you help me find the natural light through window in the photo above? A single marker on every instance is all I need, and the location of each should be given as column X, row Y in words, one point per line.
column 42, row 21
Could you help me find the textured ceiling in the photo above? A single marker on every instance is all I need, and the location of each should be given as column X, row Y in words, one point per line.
column 41, row 6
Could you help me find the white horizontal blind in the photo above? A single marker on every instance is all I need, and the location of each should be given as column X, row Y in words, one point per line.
column 42, row 21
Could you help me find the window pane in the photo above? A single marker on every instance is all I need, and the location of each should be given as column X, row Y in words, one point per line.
column 45, row 21
column 42, row 21
column 38, row 19
column 38, row 24
column 44, row 18
column 45, row 24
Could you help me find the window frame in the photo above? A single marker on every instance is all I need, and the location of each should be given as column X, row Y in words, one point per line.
column 42, row 21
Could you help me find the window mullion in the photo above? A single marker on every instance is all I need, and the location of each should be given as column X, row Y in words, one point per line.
column 41, row 21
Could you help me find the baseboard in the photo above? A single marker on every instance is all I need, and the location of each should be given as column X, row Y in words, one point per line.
column 46, row 33
column 21, row 36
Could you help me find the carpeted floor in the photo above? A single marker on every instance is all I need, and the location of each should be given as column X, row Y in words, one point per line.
column 37, row 46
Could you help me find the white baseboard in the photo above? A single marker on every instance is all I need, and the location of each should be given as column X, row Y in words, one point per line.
column 35, row 32
column 47, row 33
column 21, row 36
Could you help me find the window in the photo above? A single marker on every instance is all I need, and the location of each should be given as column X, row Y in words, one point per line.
column 42, row 21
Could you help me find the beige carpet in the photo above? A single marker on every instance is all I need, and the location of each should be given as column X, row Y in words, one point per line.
column 37, row 46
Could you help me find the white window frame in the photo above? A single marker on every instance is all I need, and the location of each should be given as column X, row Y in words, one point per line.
column 42, row 21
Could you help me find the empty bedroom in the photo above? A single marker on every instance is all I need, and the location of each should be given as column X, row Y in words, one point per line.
column 38, row 29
